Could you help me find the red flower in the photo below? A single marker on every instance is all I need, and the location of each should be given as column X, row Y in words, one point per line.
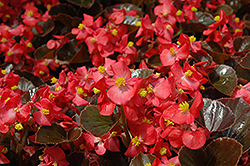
column 122, row 89
column 31, row 15
column 14, row 54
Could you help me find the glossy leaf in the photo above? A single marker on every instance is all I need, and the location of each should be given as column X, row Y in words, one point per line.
column 78, row 158
column 51, row 134
column 66, row 53
column 98, row 125
column 31, row 77
column 215, row 50
column 62, row 8
column 142, row 73
column 84, row 3
column 204, row 18
column 224, row 79
column 223, row 151
column 25, row 85
column 215, row 116
column 68, row 21
column 44, row 53
column 241, row 43
column 227, row 9
column 142, row 159
column 243, row 73
column 246, row 20
column 245, row 61
column 128, row 6
column 240, row 130
column 189, row 27
column 189, row 157
column 56, row 134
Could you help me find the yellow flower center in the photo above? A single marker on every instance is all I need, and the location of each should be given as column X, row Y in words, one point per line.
column 180, row 91
column 19, row 126
column 164, row 14
column 29, row 45
column 239, row 86
column 1, row 4
column 171, row 164
column 4, row 72
column 237, row 20
column 194, row 9
column 138, row 23
column 147, row 164
column 145, row 120
column 45, row 111
column 58, row 88
column 81, row 26
column 163, row 151
column 237, row 30
column 179, row 12
column 217, row 18
column 80, row 91
column 114, row 32
column 5, row 150
column 41, row 72
column 101, row 69
column 53, row 80
column 51, row 96
column 184, row 106
column 113, row 134
column 135, row 141
column 142, row 92
column 130, row 44
column 92, row 40
column 14, row 87
column 150, row 88
column 168, row 26
column 202, row 87
column 30, row 13
column 48, row 6
column 82, row 147
column 169, row 122
column 7, row 15
column 46, row 63
column 40, row 158
column 5, row 101
column 188, row 73
column 16, row 110
column 54, row 164
column 96, row 91
column 3, row 40
column 172, row 51
column 9, row 53
column 120, row 81
column 192, row 38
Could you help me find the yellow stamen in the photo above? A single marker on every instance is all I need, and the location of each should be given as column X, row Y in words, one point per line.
column 92, row 40
column 5, row 150
column 29, row 45
column 53, row 80
column 148, row 164
column 194, row 9
column 3, row 40
column 30, row 13
column 237, row 20
column 217, row 18
column 169, row 122
column 184, row 106
column 168, row 26
column 45, row 111
column 163, row 151
column 101, row 69
column 150, row 88
column 135, row 141
column 7, row 15
column 113, row 134
column 179, row 12
column 4, row 72
column 153, row 24
column 40, row 158
column 120, row 81
column 48, row 6
column 145, row 120
column 54, row 164
column 171, row 164
column 164, row 14
column 158, row 74
column 96, row 91
column 99, row 138
column 9, row 53
column 46, row 63
column 1, row 4
column 237, row 30
column 192, row 38
column 81, row 26
column 41, row 72
column 239, row 86
column 180, row 91
column 80, row 91
column 188, row 73
column 51, row 96
column 172, row 51
column 138, row 23
column 14, row 87
column 16, row 110
column 142, row 92
column 179, row 43
column 58, row 88
column 130, row 44
column 202, row 87
column 114, row 32
column 19, row 126
column 5, row 101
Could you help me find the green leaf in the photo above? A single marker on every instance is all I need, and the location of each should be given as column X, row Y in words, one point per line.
column 84, row 3
column 51, row 134
column 224, row 79
column 189, row 157
column 142, row 159
column 142, row 73
column 215, row 116
column 223, row 151
column 240, row 130
column 56, row 134
column 98, row 125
